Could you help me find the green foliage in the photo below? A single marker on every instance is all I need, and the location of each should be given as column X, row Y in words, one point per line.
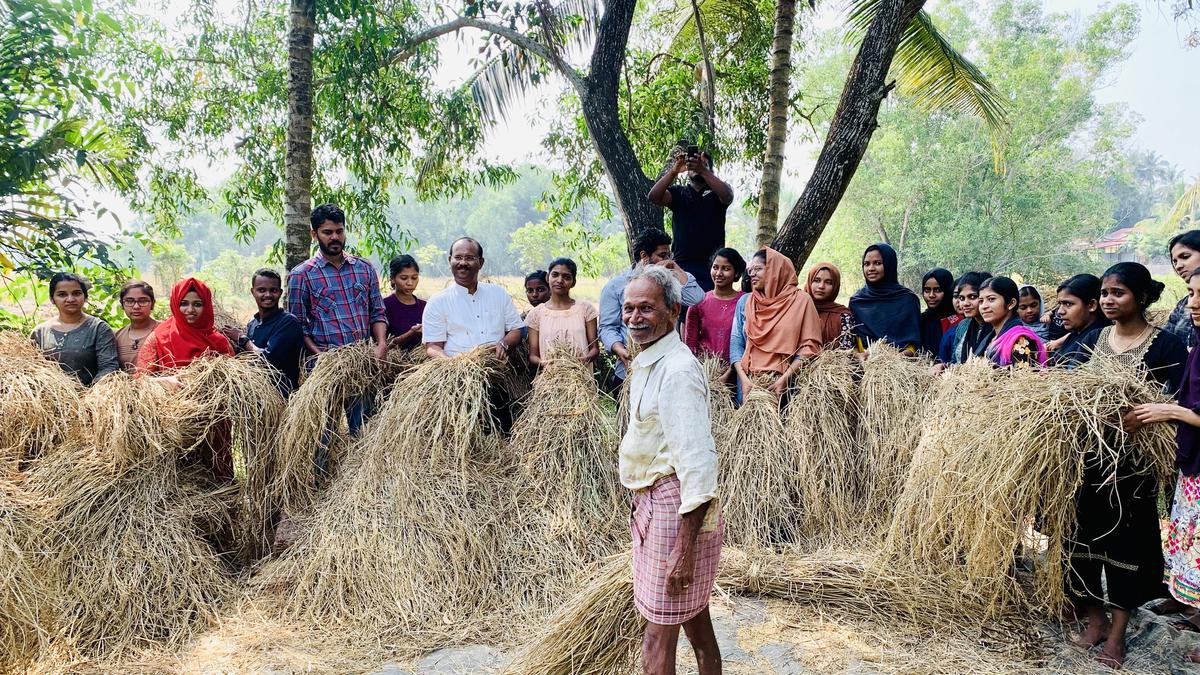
column 51, row 144
column 927, row 184
column 228, row 275
column 219, row 93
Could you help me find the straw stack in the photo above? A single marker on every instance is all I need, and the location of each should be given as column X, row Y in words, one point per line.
column 757, row 473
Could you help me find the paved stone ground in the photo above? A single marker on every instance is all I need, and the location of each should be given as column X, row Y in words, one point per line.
column 767, row 638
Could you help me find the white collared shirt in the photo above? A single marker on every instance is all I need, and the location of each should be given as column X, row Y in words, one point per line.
column 669, row 428
column 465, row 320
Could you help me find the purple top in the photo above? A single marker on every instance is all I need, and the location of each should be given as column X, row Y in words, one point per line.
column 402, row 317
column 1187, row 455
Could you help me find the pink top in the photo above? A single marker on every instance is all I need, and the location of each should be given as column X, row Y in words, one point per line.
column 561, row 325
column 708, row 325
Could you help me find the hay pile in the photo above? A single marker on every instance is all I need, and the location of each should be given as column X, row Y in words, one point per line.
column 831, row 486
column 26, row 609
column 574, row 508
column 405, row 542
column 316, row 414
column 1006, row 453
column 597, row 632
column 124, row 540
column 757, row 475
column 38, row 402
column 236, row 402
column 720, row 401
column 893, row 399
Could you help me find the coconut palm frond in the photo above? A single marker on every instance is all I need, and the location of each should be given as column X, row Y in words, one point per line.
column 510, row 73
column 937, row 76
column 725, row 22
column 1186, row 207
column 504, row 79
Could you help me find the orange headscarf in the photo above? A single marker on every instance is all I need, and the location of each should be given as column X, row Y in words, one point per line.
column 830, row 311
column 781, row 321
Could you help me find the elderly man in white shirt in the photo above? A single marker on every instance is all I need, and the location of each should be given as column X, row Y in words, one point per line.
column 668, row 458
column 469, row 313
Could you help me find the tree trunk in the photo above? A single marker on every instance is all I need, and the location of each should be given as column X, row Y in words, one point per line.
column 778, row 95
column 708, row 88
column 849, row 133
column 298, row 164
column 600, row 112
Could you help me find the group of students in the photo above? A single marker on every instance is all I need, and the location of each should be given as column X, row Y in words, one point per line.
column 770, row 326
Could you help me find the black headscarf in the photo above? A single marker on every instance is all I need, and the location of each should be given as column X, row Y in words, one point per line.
column 931, row 318
column 886, row 310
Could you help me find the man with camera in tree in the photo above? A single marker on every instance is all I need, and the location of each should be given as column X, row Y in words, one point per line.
column 698, row 210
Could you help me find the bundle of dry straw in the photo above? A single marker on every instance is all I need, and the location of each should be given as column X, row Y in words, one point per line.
column 236, row 401
column 575, row 509
column 125, row 549
column 597, row 632
column 406, row 541
column 893, row 396
column 757, row 475
column 720, row 401
column 1003, row 454
column 830, row 486
column 315, row 414
column 38, row 401
column 26, row 610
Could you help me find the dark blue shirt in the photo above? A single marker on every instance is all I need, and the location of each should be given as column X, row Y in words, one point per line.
column 280, row 340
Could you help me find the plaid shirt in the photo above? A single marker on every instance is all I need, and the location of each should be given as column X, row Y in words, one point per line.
column 335, row 306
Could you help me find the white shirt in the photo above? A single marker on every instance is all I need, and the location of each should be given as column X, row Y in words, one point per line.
column 669, row 428
column 466, row 320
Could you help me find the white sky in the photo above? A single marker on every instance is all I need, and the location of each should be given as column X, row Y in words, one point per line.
column 1160, row 82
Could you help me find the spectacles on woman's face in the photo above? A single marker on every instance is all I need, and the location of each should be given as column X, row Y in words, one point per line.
column 136, row 302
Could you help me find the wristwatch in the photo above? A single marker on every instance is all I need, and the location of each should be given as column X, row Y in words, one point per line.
column 242, row 342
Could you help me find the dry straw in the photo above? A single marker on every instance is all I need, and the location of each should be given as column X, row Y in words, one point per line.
column 1005, row 453
column 757, row 473
column 406, row 543
column 720, row 401
column 830, row 487
column 126, row 551
column 315, row 415
column 893, row 398
column 38, row 401
column 26, row 608
column 598, row 631
column 236, row 401
column 573, row 507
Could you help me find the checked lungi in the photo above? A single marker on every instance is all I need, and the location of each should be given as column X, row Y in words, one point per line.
column 654, row 525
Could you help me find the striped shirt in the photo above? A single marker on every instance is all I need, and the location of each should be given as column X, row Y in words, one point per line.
column 335, row 305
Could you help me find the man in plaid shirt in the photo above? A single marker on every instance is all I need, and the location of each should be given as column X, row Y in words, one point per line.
column 336, row 297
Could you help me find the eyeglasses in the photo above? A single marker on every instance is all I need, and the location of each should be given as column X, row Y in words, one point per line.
column 464, row 259
column 136, row 302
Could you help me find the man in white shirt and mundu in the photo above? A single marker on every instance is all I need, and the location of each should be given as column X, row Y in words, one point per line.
column 469, row 313
column 668, row 458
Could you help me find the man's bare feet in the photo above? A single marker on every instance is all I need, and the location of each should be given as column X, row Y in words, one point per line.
column 1093, row 634
column 1112, row 654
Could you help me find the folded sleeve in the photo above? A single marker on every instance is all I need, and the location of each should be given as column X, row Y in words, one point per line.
column 683, row 414
column 376, row 310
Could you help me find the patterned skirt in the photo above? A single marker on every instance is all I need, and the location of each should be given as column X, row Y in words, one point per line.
column 1183, row 544
column 654, row 526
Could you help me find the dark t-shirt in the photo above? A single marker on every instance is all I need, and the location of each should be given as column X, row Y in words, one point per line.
column 402, row 317
column 698, row 229
column 281, row 341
